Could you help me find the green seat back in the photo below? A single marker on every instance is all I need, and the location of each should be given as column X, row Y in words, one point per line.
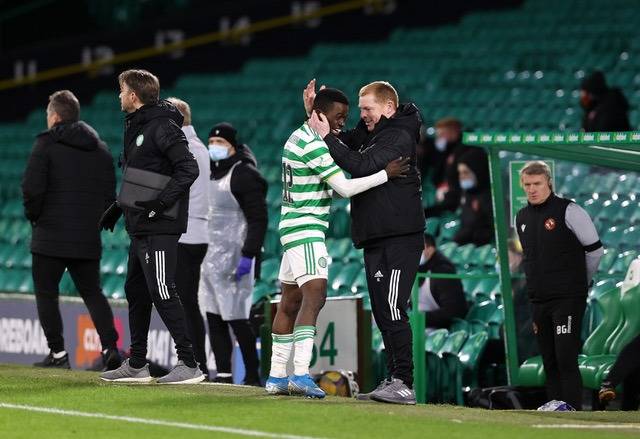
column 609, row 305
column 435, row 339
column 453, row 343
column 630, row 304
column 482, row 311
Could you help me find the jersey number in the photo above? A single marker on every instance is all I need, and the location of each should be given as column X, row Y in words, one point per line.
column 287, row 183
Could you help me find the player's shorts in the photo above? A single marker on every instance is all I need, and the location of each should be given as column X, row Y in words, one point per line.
column 303, row 263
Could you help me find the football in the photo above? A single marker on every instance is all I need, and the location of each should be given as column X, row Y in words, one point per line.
column 335, row 383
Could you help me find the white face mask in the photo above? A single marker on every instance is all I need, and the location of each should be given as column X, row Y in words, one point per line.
column 441, row 144
column 467, row 183
column 218, row 151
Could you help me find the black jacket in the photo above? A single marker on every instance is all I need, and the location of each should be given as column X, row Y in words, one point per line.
column 554, row 262
column 476, row 217
column 394, row 208
column 250, row 190
column 69, row 181
column 610, row 113
column 154, row 141
column 447, row 293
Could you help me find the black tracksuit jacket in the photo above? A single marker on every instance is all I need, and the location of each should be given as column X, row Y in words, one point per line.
column 154, row 141
column 394, row 208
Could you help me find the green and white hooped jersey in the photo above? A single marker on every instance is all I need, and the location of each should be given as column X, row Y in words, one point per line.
column 306, row 195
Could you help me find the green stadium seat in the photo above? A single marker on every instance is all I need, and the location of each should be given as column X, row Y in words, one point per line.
column 463, row 256
column 269, row 270
column 113, row 287
column 448, row 249
column 433, row 343
column 467, row 362
column 609, row 257
column 613, row 237
column 630, row 238
column 620, row 265
column 346, row 277
column 359, row 285
column 448, row 354
column 262, row 290
column 448, row 230
column 339, row 248
column 627, row 326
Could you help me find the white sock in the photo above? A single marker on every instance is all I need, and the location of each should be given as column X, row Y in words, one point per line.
column 59, row 355
column 303, row 341
column 280, row 353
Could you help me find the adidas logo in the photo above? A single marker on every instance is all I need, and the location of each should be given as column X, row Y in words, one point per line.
column 404, row 392
column 378, row 275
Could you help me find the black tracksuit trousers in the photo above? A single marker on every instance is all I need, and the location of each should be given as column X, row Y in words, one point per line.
column 151, row 281
column 557, row 325
column 391, row 266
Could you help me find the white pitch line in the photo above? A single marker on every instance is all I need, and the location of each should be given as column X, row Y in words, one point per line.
column 203, row 427
column 591, row 426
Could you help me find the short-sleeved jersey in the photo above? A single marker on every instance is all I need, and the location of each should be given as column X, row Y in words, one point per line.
column 306, row 195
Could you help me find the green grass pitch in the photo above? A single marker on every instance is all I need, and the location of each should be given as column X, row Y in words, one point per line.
column 38, row 403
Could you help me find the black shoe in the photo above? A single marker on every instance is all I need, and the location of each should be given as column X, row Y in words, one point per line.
column 225, row 380
column 111, row 359
column 49, row 361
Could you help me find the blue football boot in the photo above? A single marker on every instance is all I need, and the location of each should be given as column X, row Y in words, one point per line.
column 277, row 386
column 303, row 385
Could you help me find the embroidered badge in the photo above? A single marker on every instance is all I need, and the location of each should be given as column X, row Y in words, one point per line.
column 550, row 224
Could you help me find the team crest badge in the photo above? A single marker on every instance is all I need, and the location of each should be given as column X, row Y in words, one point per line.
column 139, row 140
column 322, row 262
column 550, row 224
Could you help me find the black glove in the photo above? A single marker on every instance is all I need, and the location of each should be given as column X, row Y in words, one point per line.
column 110, row 217
column 152, row 208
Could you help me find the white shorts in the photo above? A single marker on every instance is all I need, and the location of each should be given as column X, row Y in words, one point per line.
column 304, row 262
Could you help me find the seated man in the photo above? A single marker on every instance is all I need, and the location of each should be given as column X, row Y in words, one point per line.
column 442, row 299
column 476, row 217
column 625, row 371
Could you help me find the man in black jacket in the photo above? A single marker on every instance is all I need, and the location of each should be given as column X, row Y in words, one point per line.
column 440, row 162
column 237, row 226
column 69, row 181
column 476, row 218
column 387, row 221
column 154, row 141
column 605, row 108
column 441, row 299
column 561, row 254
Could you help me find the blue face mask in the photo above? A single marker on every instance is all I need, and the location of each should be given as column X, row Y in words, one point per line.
column 441, row 144
column 467, row 183
column 218, row 152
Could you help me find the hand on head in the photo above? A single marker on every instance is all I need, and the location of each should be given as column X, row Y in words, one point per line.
column 319, row 123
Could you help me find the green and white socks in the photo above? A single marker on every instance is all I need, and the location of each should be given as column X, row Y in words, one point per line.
column 302, row 338
column 303, row 341
column 280, row 351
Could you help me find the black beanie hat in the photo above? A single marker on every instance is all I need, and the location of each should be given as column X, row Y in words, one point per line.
column 226, row 131
column 595, row 84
